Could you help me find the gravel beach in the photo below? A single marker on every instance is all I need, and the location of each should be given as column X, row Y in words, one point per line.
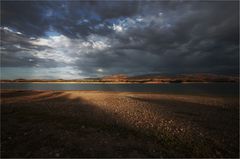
column 117, row 124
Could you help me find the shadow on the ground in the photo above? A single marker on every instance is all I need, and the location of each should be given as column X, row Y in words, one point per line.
column 53, row 124
column 197, row 112
column 220, row 122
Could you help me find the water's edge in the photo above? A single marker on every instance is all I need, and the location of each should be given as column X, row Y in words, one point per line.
column 222, row 89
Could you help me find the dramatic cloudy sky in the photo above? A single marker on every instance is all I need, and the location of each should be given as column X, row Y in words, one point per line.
column 76, row 39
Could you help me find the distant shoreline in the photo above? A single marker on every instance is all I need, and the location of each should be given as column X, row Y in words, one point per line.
column 141, row 79
column 66, row 82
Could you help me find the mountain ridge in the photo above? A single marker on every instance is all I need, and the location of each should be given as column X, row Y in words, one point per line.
column 144, row 78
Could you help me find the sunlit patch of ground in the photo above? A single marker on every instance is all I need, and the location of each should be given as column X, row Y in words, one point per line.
column 107, row 124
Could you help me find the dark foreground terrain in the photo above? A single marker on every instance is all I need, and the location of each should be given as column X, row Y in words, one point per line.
column 107, row 124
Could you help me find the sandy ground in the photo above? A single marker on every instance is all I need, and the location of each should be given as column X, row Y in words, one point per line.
column 114, row 124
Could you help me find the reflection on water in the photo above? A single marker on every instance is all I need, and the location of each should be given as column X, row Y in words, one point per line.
column 225, row 89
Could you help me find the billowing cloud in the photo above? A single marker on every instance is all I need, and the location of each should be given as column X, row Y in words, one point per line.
column 102, row 38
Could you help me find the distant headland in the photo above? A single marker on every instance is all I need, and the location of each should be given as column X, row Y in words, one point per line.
column 144, row 79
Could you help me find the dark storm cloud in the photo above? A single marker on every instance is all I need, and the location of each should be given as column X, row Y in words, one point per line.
column 15, row 48
column 133, row 37
column 109, row 10
column 22, row 15
column 35, row 17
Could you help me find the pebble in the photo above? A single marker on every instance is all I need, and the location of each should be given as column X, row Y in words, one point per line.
column 57, row 154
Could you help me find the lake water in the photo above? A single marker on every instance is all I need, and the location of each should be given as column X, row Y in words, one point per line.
column 222, row 89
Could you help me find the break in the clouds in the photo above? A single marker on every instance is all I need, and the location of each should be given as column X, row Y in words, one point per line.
column 75, row 39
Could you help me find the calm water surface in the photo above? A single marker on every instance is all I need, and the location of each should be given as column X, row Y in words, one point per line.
column 222, row 89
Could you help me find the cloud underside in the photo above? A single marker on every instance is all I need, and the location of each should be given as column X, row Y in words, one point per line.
column 88, row 39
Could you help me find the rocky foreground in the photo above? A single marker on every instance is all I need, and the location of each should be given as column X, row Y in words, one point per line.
column 113, row 124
